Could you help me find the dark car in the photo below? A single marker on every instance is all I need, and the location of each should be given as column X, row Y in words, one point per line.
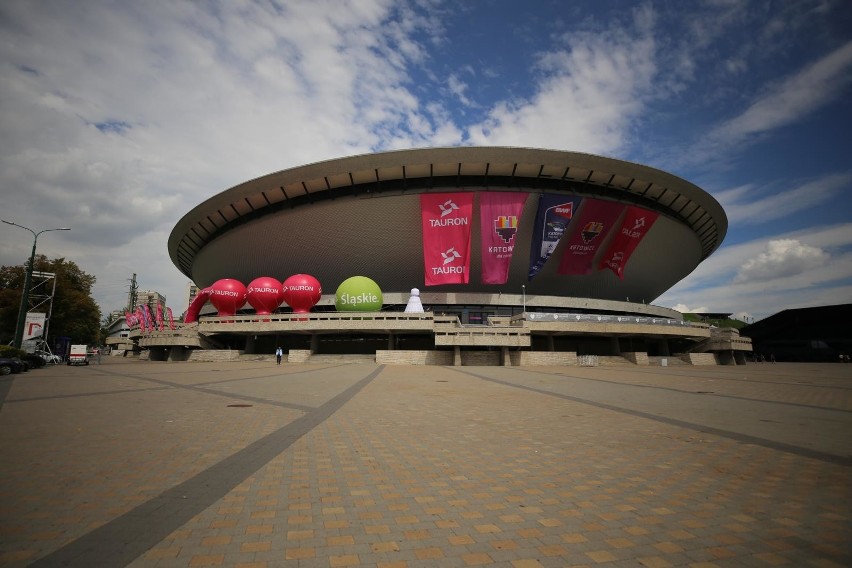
column 9, row 365
column 34, row 361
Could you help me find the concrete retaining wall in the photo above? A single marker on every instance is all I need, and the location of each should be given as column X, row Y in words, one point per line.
column 637, row 358
column 613, row 361
column 480, row 358
column 414, row 357
column 212, row 355
column 700, row 358
column 298, row 355
column 543, row 358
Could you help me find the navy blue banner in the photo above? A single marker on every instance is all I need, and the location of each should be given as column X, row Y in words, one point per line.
column 552, row 218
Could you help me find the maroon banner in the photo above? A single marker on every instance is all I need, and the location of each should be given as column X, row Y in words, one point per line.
column 588, row 231
column 636, row 224
column 498, row 224
column 446, row 221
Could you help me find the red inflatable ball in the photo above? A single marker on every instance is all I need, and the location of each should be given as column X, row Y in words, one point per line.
column 227, row 296
column 302, row 292
column 265, row 294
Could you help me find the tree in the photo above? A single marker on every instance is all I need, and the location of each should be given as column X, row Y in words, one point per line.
column 75, row 313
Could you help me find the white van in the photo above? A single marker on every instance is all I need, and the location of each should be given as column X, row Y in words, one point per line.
column 78, row 355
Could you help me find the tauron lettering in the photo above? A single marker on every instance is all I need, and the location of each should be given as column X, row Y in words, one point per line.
column 448, row 222
column 448, row 270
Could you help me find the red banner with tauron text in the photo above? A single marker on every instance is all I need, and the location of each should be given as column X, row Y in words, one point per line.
column 498, row 224
column 588, row 230
column 446, row 219
column 635, row 225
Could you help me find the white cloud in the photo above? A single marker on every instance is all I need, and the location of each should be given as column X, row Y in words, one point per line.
column 118, row 118
column 796, row 97
column 684, row 309
column 782, row 258
column 753, row 205
column 810, row 280
column 590, row 92
column 458, row 88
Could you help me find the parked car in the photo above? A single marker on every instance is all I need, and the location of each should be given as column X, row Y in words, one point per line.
column 33, row 360
column 12, row 365
column 49, row 357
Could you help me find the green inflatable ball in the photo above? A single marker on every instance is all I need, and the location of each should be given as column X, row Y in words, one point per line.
column 358, row 294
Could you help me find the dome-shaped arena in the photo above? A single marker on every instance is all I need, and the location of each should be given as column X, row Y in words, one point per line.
column 565, row 233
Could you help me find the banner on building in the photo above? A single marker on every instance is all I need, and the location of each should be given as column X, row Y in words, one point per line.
column 446, row 220
column 34, row 326
column 590, row 228
column 552, row 218
column 499, row 213
column 636, row 224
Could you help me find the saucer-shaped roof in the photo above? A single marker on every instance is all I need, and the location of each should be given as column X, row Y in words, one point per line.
column 361, row 216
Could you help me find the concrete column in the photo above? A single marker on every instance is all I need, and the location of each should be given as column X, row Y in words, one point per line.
column 390, row 341
column 178, row 354
column 616, row 348
column 457, row 356
column 314, row 343
column 550, row 346
column 504, row 357
column 250, row 344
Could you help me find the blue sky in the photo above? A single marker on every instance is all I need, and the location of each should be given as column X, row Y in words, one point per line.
column 118, row 117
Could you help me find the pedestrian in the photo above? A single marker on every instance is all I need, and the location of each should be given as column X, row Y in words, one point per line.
column 278, row 354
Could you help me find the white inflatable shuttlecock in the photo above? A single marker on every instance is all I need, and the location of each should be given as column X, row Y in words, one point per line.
column 414, row 305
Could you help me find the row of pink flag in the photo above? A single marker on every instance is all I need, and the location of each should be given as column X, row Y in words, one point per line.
column 584, row 222
column 147, row 321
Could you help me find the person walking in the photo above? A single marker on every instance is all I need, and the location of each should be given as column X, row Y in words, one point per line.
column 278, row 354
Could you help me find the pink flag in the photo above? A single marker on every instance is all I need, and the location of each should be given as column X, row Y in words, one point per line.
column 149, row 319
column 498, row 223
column 636, row 224
column 588, row 231
column 446, row 237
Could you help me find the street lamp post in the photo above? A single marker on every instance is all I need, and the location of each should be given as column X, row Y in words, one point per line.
column 524, row 294
column 22, row 311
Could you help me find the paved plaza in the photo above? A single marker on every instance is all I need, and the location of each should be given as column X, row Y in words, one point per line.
column 158, row 464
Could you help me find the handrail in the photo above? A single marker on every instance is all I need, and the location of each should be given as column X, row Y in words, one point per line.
column 318, row 316
column 592, row 318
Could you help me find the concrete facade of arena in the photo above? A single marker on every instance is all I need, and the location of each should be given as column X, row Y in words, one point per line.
column 361, row 216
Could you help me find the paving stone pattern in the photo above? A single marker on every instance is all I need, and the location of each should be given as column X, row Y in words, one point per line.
column 255, row 465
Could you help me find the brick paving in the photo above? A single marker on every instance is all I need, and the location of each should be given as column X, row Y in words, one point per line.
column 255, row 465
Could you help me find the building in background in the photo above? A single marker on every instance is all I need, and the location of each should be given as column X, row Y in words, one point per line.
column 191, row 293
column 803, row 334
column 151, row 299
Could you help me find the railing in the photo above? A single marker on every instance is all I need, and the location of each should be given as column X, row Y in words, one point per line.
column 592, row 318
column 319, row 317
column 482, row 331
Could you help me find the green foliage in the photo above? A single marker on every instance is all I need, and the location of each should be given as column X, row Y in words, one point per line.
column 736, row 324
column 9, row 351
column 75, row 313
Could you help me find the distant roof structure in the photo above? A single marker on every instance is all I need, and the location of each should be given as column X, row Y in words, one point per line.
column 713, row 315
